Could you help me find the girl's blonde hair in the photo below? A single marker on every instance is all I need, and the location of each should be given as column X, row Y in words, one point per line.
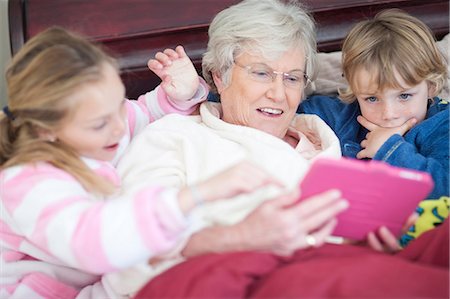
column 50, row 67
column 393, row 41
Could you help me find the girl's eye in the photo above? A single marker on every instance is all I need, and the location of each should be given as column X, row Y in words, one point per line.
column 100, row 126
column 405, row 96
column 371, row 99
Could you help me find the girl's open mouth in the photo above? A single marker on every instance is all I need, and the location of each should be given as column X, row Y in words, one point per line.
column 112, row 147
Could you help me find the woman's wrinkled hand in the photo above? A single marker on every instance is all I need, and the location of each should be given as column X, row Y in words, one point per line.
column 284, row 225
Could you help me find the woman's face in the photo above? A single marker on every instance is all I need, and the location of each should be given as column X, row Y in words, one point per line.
column 260, row 98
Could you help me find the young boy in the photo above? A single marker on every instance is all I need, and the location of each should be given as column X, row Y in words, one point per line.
column 390, row 111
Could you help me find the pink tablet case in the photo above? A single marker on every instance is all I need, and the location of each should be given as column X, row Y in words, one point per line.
column 378, row 193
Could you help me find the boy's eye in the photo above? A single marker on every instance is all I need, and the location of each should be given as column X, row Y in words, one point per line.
column 405, row 96
column 371, row 99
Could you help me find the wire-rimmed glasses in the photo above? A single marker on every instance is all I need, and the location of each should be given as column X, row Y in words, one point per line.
column 261, row 72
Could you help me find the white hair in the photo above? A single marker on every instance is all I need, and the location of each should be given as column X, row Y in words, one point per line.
column 265, row 27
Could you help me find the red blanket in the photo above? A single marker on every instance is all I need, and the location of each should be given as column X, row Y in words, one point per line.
column 419, row 271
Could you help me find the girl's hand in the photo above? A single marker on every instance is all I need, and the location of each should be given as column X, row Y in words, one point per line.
column 243, row 177
column 379, row 135
column 179, row 78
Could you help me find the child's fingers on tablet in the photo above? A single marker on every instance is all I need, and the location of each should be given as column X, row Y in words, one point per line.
column 389, row 240
column 374, row 242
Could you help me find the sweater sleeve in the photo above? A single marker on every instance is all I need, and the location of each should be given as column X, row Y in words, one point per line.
column 399, row 152
column 53, row 218
column 155, row 104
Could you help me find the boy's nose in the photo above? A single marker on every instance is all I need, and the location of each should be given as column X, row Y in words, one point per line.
column 389, row 112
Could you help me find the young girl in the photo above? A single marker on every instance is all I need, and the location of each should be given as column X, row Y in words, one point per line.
column 390, row 111
column 66, row 123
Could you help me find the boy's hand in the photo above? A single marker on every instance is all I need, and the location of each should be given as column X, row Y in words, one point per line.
column 179, row 78
column 378, row 136
column 383, row 241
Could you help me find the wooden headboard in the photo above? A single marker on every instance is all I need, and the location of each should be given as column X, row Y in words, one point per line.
column 134, row 30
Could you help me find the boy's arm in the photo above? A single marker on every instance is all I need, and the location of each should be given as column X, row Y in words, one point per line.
column 425, row 148
column 338, row 115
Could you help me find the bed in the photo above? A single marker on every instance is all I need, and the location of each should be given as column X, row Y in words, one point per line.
column 133, row 31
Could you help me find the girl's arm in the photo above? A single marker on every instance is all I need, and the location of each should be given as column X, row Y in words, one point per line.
column 52, row 217
column 181, row 90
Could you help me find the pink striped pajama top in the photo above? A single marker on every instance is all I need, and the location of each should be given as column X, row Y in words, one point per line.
column 57, row 239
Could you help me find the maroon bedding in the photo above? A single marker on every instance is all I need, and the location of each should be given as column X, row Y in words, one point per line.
column 419, row 271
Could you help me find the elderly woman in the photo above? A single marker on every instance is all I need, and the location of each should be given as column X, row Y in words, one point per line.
column 260, row 58
column 260, row 82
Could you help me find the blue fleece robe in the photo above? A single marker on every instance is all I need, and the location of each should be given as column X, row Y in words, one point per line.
column 425, row 147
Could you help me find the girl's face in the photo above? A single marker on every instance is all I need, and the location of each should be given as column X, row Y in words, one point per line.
column 98, row 123
column 263, row 94
column 390, row 107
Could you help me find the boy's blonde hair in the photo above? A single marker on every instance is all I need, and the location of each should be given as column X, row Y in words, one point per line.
column 45, row 72
column 393, row 41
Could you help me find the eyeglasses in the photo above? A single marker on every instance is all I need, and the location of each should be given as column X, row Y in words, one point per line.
column 260, row 72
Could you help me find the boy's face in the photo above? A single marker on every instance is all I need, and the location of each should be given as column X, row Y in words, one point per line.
column 390, row 107
column 98, row 122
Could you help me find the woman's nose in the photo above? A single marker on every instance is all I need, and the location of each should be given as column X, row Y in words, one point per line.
column 277, row 90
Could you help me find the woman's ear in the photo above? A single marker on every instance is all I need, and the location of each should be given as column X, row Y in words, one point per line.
column 218, row 82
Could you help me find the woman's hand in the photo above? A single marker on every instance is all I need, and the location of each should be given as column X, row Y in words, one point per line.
column 179, row 78
column 281, row 226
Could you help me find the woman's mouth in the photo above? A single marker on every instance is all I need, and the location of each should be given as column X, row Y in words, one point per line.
column 271, row 112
